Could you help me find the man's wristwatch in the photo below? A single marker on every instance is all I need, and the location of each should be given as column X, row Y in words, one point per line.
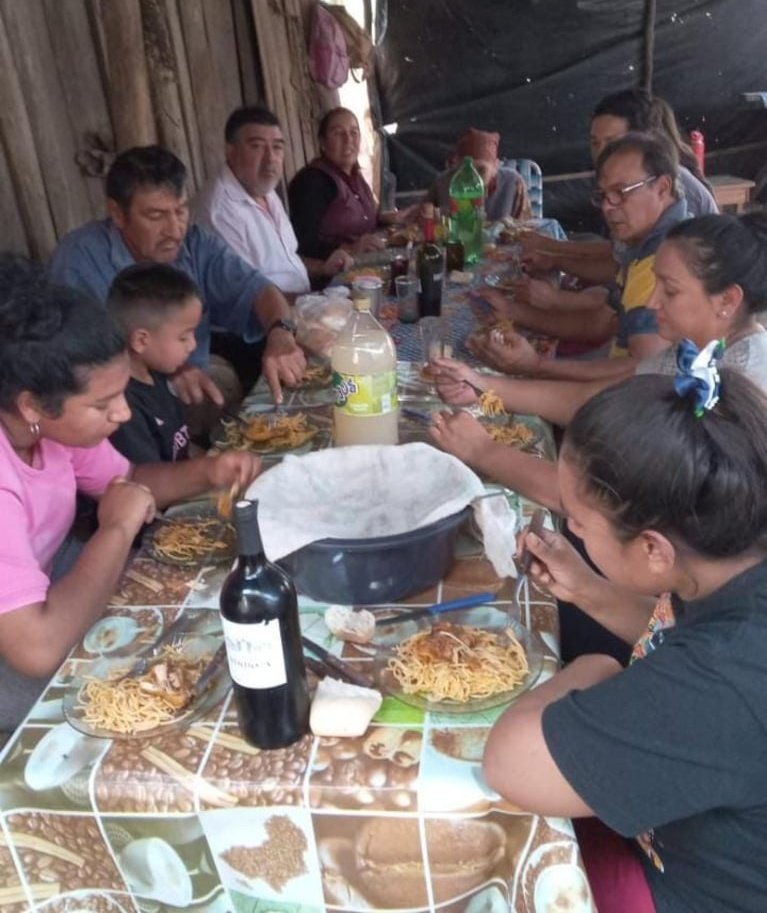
column 283, row 324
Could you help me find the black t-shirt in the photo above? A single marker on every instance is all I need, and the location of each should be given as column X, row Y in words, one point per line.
column 156, row 431
column 674, row 749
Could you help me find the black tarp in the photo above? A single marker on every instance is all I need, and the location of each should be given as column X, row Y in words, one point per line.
column 533, row 70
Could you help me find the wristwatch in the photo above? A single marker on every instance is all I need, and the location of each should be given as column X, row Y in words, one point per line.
column 283, row 324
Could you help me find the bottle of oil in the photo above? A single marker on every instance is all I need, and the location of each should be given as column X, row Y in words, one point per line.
column 364, row 364
column 259, row 614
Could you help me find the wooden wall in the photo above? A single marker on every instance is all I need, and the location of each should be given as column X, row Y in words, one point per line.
column 85, row 79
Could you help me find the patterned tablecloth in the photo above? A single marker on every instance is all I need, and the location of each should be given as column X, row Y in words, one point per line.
column 195, row 819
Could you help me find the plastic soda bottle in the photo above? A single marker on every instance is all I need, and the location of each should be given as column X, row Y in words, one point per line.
column 364, row 364
column 467, row 207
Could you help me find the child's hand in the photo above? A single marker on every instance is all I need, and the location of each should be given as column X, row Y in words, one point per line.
column 126, row 505
column 234, row 469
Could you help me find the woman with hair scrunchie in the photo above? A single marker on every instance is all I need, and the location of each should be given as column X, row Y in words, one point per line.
column 662, row 763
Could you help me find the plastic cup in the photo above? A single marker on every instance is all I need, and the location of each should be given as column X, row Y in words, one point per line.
column 371, row 287
column 407, row 298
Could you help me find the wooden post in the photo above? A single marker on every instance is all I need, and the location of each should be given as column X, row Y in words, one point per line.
column 21, row 154
column 46, row 108
column 195, row 163
column 128, row 79
column 75, row 52
column 164, row 82
column 208, row 97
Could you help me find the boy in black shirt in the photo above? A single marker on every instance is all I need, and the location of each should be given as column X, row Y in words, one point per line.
column 158, row 308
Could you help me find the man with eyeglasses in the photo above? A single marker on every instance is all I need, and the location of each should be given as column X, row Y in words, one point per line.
column 638, row 194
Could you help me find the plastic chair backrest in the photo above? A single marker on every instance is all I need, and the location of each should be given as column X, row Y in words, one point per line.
column 533, row 177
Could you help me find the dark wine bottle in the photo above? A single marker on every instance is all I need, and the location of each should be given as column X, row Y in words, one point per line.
column 259, row 613
column 431, row 267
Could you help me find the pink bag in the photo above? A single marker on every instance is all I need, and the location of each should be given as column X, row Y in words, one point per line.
column 328, row 56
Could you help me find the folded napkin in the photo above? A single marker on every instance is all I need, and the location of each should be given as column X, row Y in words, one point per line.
column 369, row 491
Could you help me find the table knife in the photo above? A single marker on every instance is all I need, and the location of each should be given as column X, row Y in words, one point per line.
column 464, row 602
column 342, row 669
column 219, row 657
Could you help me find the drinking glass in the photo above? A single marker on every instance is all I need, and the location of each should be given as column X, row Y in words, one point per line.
column 407, row 298
column 434, row 341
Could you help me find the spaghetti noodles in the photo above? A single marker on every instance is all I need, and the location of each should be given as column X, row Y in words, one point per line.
column 491, row 404
column 268, row 432
column 130, row 705
column 517, row 434
column 459, row 663
column 192, row 540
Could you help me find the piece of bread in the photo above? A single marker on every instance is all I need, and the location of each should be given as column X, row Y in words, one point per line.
column 346, row 624
column 342, row 710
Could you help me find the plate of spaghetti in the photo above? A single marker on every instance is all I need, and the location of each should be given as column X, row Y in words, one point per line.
column 267, row 433
column 316, row 376
column 454, row 666
column 104, row 702
column 190, row 536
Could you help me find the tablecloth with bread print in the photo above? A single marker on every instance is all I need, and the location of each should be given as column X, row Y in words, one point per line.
column 195, row 819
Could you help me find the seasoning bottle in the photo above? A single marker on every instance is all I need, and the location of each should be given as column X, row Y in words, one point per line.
column 259, row 614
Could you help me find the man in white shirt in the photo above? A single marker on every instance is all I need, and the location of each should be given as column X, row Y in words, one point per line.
column 242, row 207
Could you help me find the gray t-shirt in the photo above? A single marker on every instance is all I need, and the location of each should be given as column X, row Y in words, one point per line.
column 748, row 355
column 700, row 200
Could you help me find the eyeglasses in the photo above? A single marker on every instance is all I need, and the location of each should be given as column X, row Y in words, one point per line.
column 616, row 197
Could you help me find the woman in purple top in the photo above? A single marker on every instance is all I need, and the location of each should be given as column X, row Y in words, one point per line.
column 331, row 203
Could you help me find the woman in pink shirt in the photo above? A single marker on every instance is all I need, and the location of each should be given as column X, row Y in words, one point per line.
column 63, row 370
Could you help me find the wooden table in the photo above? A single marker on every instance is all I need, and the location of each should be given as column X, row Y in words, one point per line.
column 730, row 192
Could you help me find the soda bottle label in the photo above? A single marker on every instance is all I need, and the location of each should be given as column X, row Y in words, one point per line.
column 255, row 655
column 366, row 394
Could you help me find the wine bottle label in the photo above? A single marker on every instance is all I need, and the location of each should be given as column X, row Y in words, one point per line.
column 255, row 655
column 366, row 394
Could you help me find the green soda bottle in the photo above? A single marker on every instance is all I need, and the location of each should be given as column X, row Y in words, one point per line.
column 467, row 209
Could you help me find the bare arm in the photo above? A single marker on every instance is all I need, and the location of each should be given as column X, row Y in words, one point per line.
column 463, row 436
column 171, row 482
column 517, row 761
column 554, row 400
column 35, row 638
column 283, row 360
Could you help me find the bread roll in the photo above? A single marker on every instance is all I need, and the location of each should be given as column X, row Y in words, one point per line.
column 346, row 624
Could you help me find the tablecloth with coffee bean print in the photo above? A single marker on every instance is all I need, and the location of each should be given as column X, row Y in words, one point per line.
column 195, row 819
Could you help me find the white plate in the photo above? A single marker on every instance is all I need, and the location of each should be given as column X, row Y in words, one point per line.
column 58, row 756
column 110, row 634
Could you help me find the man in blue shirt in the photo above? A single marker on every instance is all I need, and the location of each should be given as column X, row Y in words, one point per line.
column 149, row 221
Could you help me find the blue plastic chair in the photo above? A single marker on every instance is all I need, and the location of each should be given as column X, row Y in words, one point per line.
column 533, row 177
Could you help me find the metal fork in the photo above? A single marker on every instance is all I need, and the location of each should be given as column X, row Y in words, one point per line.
column 525, row 560
column 171, row 636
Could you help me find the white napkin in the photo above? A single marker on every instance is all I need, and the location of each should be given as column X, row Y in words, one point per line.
column 369, row 491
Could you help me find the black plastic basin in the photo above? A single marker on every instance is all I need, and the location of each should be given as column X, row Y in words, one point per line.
column 368, row 571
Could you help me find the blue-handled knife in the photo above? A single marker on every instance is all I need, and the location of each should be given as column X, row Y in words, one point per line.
column 465, row 602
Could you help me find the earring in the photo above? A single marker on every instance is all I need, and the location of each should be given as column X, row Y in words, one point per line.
column 34, row 429
column 723, row 314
